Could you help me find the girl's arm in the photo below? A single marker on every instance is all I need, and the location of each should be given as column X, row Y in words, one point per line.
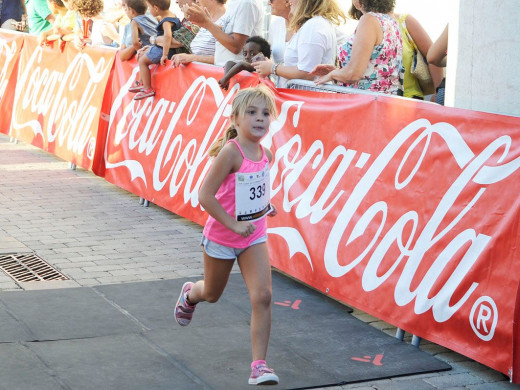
column 227, row 161
column 263, row 68
column 364, row 42
column 423, row 42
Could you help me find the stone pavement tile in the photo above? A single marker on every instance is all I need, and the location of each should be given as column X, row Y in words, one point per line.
column 453, row 380
column 494, row 386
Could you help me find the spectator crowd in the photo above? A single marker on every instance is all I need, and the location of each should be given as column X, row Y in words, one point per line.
column 304, row 39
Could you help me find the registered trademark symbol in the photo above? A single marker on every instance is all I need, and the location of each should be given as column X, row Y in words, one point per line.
column 484, row 317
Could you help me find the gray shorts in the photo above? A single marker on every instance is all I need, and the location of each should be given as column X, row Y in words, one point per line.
column 225, row 252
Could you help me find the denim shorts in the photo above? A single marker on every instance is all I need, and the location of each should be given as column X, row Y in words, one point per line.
column 154, row 53
column 225, row 252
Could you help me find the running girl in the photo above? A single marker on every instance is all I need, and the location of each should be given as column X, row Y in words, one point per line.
column 233, row 231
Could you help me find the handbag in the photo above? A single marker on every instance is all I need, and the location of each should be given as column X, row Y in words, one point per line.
column 419, row 68
column 422, row 73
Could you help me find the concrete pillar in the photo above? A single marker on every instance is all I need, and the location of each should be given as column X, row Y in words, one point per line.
column 483, row 56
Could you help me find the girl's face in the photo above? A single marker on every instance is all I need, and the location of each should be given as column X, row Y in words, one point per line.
column 254, row 124
column 250, row 50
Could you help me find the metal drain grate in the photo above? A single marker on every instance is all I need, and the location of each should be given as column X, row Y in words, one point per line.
column 29, row 267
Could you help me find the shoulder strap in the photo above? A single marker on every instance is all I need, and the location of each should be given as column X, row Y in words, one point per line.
column 238, row 146
column 402, row 25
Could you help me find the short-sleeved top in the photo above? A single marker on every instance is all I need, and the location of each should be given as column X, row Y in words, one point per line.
column 204, row 42
column 148, row 24
column 244, row 17
column 277, row 34
column 382, row 74
column 313, row 44
column 217, row 232
column 37, row 13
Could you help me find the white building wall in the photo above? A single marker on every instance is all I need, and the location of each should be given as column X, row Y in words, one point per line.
column 483, row 71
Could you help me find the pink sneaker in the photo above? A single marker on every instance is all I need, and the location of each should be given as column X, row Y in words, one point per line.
column 263, row 375
column 136, row 87
column 183, row 310
column 144, row 94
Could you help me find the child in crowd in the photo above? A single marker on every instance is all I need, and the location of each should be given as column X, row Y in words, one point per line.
column 138, row 32
column 168, row 23
column 232, row 231
column 87, row 11
column 255, row 49
column 64, row 21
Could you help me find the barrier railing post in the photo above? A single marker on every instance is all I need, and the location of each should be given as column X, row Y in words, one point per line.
column 399, row 334
column 416, row 340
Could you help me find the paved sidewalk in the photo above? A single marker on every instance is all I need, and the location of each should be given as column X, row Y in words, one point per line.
column 97, row 234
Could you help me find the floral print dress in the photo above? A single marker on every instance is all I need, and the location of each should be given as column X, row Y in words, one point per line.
column 383, row 71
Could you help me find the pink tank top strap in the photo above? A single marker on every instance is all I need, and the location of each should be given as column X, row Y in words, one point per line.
column 264, row 156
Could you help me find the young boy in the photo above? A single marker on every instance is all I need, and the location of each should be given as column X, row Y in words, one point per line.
column 169, row 23
column 138, row 32
column 255, row 49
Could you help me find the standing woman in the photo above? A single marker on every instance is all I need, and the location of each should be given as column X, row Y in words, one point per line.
column 279, row 34
column 372, row 58
column 314, row 42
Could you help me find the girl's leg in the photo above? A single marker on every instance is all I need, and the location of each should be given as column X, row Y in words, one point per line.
column 144, row 71
column 256, row 270
column 216, row 275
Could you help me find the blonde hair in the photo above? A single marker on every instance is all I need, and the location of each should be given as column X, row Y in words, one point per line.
column 307, row 9
column 243, row 99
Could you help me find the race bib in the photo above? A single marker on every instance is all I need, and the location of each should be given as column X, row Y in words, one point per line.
column 252, row 197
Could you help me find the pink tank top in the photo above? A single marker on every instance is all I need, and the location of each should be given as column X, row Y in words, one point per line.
column 217, row 232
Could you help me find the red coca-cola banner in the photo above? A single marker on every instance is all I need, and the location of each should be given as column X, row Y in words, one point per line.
column 10, row 46
column 404, row 209
column 58, row 98
column 397, row 207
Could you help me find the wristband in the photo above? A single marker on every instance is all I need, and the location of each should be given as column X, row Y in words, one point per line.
column 273, row 69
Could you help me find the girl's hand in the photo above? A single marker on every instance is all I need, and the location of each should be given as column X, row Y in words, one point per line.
column 181, row 58
column 244, row 228
column 273, row 211
column 164, row 59
column 263, row 68
column 322, row 70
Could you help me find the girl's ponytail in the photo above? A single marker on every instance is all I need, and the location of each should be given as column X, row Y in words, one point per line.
column 217, row 146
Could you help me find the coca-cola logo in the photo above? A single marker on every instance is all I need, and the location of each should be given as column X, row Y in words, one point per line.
column 61, row 106
column 8, row 53
column 180, row 164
